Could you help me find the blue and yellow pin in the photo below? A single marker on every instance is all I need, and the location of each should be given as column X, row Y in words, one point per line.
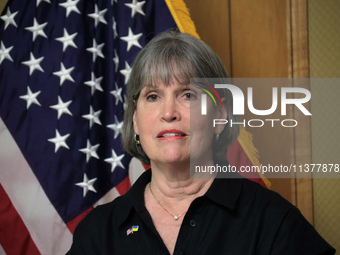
column 131, row 230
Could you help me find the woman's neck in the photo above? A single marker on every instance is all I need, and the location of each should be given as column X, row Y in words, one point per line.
column 172, row 183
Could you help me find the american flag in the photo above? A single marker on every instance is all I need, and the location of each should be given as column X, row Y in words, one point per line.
column 64, row 65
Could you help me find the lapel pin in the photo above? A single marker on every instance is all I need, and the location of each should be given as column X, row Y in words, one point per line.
column 132, row 229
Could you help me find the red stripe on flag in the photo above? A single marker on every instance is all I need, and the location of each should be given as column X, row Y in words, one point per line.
column 146, row 167
column 14, row 236
column 73, row 223
column 124, row 186
column 237, row 157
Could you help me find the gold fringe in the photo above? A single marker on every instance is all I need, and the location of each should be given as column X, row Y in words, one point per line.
column 180, row 13
column 246, row 141
column 182, row 17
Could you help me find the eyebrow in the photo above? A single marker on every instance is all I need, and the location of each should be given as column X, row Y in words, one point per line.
column 154, row 86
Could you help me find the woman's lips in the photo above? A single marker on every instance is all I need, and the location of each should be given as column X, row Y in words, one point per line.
column 172, row 134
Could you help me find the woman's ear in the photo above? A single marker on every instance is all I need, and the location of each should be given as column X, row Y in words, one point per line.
column 134, row 118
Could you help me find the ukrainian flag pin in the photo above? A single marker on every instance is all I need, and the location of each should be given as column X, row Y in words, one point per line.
column 131, row 230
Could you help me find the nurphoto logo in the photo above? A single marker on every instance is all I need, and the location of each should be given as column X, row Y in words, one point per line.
column 239, row 104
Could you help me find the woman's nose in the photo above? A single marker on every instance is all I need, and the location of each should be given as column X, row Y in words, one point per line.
column 170, row 110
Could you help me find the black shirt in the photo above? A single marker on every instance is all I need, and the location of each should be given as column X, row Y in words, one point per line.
column 235, row 216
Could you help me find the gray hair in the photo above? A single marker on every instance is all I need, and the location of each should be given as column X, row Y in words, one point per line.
column 173, row 56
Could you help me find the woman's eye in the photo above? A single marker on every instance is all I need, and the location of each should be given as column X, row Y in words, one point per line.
column 152, row 97
column 190, row 95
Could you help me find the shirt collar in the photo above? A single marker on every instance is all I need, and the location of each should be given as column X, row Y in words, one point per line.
column 226, row 191
column 223, row 191
column 134, row 197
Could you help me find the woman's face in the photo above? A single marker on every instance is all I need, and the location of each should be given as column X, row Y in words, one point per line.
column 162, row 121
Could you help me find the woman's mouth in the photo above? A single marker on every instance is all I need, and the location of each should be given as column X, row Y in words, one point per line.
column 171, row 134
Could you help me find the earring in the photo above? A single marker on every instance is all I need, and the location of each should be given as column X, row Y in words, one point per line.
column 217, row 137
column 137, row 139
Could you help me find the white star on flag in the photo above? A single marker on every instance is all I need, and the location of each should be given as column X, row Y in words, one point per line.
column 90, row 151
column 126, row 72
column 116, row 127
column 94, row 83
column 4, row 53
column 34, row 64
column 70, row 6
column 115, row 161
column 116, row 61
column 96, row 50
column 87, row 185
column 125, row 103
column 31, row 98
column 9, row 18
column 136, row 7
column 132, row 39
column 98, row 16
column 59, row 141
column 64, row 74
column 67, row 40
column 93, row 117
column 39, row 1
column 117, row 93
column 37, row 29
column 61, row 107
column 114, row 27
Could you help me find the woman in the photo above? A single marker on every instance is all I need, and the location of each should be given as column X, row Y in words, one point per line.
column 166, row 211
